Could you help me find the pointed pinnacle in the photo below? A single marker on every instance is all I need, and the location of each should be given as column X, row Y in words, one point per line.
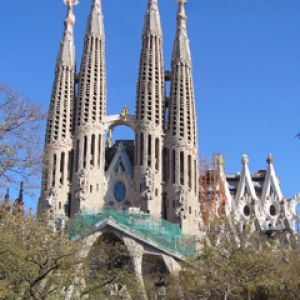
column 95, row 23
column 71, row 3
column 270, row 159
column 181, row 15
column 245, row 159
column 152, row 19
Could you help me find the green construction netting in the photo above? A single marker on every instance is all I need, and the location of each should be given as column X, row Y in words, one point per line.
column 165, row 234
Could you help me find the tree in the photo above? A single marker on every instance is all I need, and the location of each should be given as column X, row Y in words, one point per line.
column 253, row 269
column 38, row 263
column 20, row 137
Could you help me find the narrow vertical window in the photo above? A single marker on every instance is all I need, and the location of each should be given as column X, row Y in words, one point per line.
column 99, row 150
column 149, row 150
column 190, row 171
column 54, row 170
column 84, row 152
column 173, row 166
column 181, row 167
column 164, row 206
column 157, row 158
column 68, row 206
column 93, row 150
column 77, row 155
column 62, row 168
column 164, row 164
column 142, row 149
column 136, row 152
column 70, row 165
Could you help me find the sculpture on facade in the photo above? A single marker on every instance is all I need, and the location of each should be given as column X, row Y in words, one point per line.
column 147, row 186
column 81, row 186
column 50, row 198
column 179, row 203
column 124, row 113
column 109, row 141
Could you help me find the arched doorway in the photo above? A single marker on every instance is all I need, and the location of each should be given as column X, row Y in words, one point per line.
column 154, row 269
column 110, row 268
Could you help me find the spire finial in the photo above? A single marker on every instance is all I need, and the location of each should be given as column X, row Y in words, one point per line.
column 71, row 3
column 66, row 54
column 245, row 159
column 152, row 19
column 152, row 3
column 181, row 15
column 95, row 26
column 70, row 18
column 270, row 159
column 181, row 50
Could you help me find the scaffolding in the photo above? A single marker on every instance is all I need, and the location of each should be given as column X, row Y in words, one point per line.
column 212, row 189
column 161, row 232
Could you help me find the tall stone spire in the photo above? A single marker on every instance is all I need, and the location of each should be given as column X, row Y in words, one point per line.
column 149, row 114
column 66, row 55
column 152, row 19
column 95, row 25
column 58, row 142
column 181, row 50
column 181, row 141
column 88, row 182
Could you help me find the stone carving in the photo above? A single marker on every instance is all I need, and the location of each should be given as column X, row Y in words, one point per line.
column 109, row 138
column 81, row 184
column 179, row 203
column 71, row 3
column 50, row 198
column 147, row 186
column 180, row 196
column 124, row 114
column 282, row 219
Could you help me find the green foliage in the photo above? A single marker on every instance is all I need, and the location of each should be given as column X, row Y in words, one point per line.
column 38, row 263
column 225, row 271
column 35, row 262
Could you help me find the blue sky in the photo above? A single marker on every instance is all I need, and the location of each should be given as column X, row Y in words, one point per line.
column 246, row 56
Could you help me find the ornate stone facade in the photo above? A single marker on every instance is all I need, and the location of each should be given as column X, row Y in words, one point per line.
column 158, row 173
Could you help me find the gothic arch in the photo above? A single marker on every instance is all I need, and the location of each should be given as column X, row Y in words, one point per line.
column 112, row 121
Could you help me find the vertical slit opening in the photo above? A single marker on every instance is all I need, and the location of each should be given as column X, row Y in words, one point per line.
column 181, row 167
column 142, row 149
column 93, row 150
column 62, row 167
column 157, row 158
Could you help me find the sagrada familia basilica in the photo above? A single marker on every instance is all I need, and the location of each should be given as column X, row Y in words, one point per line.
column 157, row 173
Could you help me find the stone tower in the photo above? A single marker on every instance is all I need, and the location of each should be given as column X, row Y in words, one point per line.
column 150, row 115
column 181, row 141
column 55, row 197
column 89, row 135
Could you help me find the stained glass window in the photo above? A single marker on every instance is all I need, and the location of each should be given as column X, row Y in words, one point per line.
column 120, row 191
